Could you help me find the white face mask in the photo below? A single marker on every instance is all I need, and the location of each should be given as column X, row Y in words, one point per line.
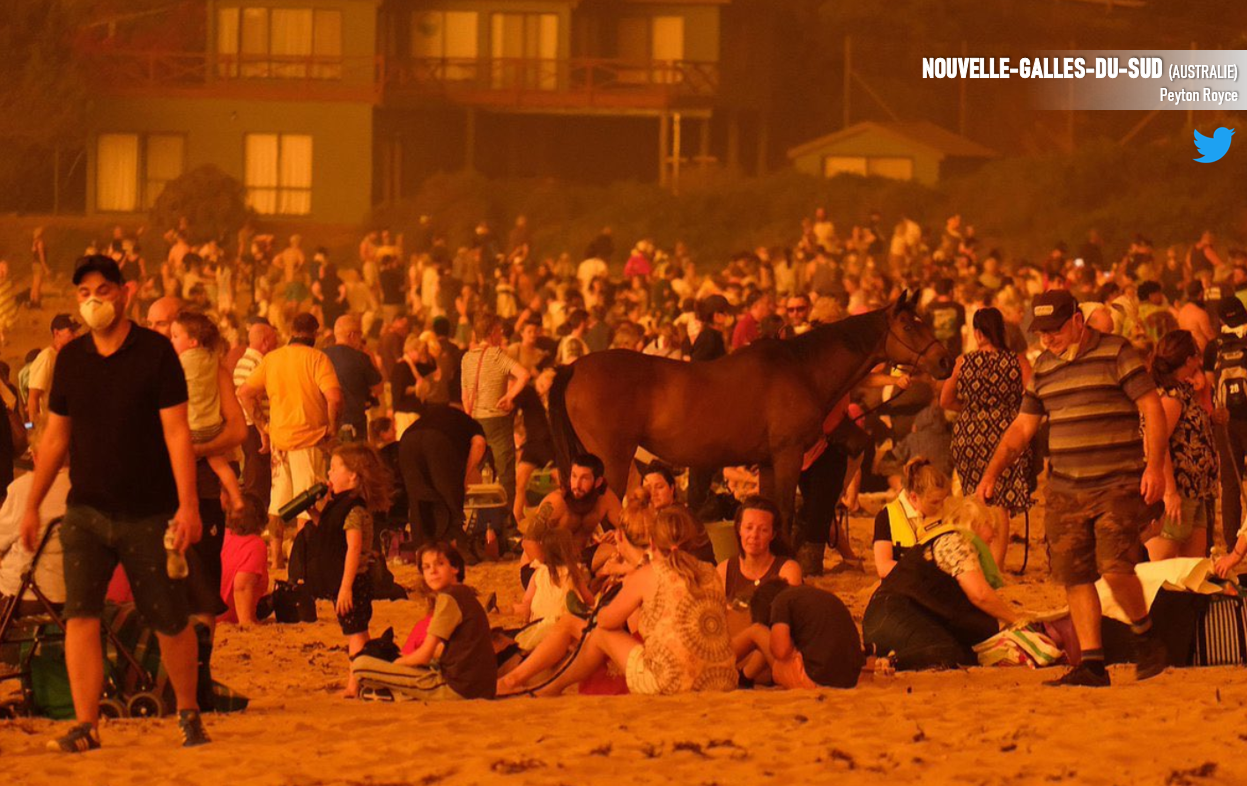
column 98, row 314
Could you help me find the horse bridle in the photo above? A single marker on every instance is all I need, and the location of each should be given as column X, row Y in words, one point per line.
column 919, row 355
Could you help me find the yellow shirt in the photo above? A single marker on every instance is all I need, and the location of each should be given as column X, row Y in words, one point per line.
column 295, row 377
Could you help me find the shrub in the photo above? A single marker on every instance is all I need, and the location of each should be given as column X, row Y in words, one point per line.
column 213, row 204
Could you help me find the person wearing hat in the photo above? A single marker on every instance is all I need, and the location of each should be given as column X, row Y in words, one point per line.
column 304, row 412
column 1105, row 477
column 1225, row 364
column 120, row 385
column 64, row 328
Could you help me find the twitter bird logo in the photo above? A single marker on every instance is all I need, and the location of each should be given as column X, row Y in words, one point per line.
column 1211, row 148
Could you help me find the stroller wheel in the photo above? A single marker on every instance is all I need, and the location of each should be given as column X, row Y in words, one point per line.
column 112, row 709
column 145, row 705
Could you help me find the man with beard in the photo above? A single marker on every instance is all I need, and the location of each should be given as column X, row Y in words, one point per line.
column 582, row 505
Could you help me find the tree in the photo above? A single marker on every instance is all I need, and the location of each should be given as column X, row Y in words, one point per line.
column 213, row 204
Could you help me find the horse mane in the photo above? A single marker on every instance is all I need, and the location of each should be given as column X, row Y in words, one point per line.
column 854, row 332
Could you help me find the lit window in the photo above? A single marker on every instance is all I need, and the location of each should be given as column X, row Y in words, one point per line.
column 280, row 43
column 835, row 165
column 131, row 170
column 279, row 173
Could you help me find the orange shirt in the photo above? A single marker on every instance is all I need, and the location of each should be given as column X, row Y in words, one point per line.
column 295, row 377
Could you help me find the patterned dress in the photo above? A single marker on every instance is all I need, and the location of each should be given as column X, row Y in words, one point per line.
column 990, row 387
column 687, row 647
column 1195, row 469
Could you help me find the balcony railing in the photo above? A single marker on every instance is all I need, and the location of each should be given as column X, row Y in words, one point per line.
column 499, row 82
column 531, row 83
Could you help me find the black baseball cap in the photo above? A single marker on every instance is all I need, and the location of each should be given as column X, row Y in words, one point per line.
column 1052, row 309
column 1232, row 311
column 98, row 263
column 64, row 322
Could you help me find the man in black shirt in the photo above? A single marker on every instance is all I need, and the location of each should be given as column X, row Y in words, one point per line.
column 440, row 454
column 946, row 317
column 118, row 408
column 359, row 377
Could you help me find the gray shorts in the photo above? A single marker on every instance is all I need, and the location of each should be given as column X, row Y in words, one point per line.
column 94, row 543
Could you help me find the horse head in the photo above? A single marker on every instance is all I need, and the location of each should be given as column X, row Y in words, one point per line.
column 911, row 342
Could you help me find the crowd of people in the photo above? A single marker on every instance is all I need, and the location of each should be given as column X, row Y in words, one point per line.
column 216, row 393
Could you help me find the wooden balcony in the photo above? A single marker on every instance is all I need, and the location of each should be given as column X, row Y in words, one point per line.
column 572, row 85
column 204, row 75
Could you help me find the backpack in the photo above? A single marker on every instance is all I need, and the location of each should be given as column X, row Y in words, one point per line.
column 1231, row 368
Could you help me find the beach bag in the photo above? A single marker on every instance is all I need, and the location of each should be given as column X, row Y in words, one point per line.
column 1221, row 633
column 293, row 602
column 381, row 648
column 1018, row 647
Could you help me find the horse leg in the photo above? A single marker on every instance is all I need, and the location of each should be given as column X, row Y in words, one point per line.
column 785, row 470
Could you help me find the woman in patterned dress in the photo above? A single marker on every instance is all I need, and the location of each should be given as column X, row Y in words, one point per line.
column 1177, row 364
column 683, row 622
column 986, row 389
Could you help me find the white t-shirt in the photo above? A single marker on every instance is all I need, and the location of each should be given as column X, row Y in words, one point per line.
column 49, row 574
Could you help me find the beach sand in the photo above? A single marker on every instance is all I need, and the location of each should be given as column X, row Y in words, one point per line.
column 980, row 726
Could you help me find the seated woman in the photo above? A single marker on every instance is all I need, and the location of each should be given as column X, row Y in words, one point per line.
column 682, row 622
column 627, row 548
column 939, row 599
column 757, row 562
column 801, row 637
column 910, row 519
column 556, row 575
column 458, row 639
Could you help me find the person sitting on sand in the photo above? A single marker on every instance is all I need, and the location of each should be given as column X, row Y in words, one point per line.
column 758, row 561
column 244, row 562
column 458, row 639
column 911, row 518
column 628, row 547
column 801, row 637
column 582, row 506
column 940, row 599
column 681, row 619
column 556, row 577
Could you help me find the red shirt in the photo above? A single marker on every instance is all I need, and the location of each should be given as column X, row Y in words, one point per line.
column 241, row 554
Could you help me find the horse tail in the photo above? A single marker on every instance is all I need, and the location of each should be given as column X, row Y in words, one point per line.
column 566, row 444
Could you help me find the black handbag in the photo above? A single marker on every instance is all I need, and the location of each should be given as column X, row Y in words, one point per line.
column 293, row 602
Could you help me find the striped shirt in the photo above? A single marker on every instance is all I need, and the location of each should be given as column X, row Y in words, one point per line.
column 1094, row 439
column 485, row 374
column 246, row 364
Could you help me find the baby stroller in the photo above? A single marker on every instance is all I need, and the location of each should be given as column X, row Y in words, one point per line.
column 38, row 640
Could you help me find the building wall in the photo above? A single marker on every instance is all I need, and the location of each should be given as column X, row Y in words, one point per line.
column 215, row 129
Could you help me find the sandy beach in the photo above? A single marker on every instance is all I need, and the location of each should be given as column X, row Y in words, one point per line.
column 981, row 726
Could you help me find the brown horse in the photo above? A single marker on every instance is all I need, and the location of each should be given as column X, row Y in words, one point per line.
column 764, row 404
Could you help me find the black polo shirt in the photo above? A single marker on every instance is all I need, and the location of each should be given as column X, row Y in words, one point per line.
column 118, row 462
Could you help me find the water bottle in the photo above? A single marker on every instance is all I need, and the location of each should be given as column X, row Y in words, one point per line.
column 487, row 474
column 175, row 561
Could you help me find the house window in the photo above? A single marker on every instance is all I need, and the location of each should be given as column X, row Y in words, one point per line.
column 279, row 43
column 451, row 37
column 279, row 174
column 653, row 45
column 525, row 50
column 835, row 165
column 131, row 170
column 895, row 167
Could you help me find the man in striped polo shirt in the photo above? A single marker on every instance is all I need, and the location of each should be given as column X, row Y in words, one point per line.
column 257, row 470
column 1105, row 478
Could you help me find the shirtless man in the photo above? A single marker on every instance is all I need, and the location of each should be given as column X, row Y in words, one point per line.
column 582, row 506
column 1194, row 317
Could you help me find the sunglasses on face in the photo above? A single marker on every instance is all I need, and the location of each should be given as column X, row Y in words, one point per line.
column 797, row 309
